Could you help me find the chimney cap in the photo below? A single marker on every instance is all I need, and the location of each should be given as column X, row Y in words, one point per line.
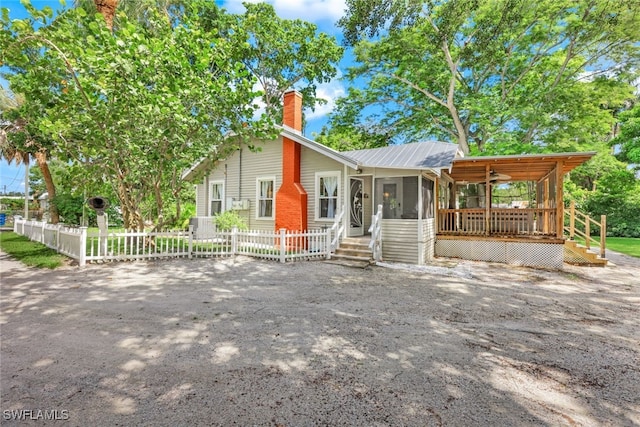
column 292, row 90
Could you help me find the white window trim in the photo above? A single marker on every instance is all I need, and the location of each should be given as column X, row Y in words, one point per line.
column 210, row 198
column 319, row 175
column 273, row 198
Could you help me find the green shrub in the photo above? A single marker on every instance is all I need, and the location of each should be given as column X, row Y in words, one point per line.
column 227, row 220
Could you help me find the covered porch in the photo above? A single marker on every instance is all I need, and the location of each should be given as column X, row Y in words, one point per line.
column 468, row 203
column 505, row 208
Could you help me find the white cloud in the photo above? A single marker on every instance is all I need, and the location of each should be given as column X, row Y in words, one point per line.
column 329, row 92
column 307, row 10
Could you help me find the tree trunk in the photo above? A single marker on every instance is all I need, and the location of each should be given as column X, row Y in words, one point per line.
column 51, row 188
column 108, row 10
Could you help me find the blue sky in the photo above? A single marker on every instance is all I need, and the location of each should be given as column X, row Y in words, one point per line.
column 323, row 13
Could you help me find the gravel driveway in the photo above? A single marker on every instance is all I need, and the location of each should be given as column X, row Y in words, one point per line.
column 244, row 342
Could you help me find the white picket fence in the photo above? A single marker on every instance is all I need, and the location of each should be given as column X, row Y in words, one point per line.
column 92, row 246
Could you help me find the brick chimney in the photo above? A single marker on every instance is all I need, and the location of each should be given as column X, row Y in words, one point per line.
column 291, row 198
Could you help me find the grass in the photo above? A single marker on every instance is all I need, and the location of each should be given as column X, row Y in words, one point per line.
column 30, row 253
column 625, row 245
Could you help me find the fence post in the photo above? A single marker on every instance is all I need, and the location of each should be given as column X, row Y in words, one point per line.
column 58, row 237
column 234, row 240
column 603, row 235
column 190, row 241
column 327, row 237
column 42, row 232
column 283, row 245
column 83, row 247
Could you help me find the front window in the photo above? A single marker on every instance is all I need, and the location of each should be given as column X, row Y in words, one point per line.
column 327, row 189
column 265, row 194
column 216, row 197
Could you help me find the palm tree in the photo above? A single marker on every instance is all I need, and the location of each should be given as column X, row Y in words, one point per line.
column 15, row 128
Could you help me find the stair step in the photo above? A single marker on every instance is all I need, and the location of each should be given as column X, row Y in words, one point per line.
column 590, row 258
column 349, row 263
column 351, row 257
column 354, row 252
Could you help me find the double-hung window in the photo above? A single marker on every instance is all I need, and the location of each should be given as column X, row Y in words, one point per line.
column 327, row 190
column 216, row 197
column 265, row 193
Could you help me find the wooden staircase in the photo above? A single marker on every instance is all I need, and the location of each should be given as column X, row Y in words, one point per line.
column 353, row 252
column 577, row 254
column 580, row 224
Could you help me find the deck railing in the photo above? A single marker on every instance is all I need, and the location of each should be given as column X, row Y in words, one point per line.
column 580, row 224
column 502, row 222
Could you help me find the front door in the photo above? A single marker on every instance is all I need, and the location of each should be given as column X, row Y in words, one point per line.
column 356, row 211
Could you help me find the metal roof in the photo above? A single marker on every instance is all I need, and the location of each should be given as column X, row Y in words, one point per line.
column 417, row 155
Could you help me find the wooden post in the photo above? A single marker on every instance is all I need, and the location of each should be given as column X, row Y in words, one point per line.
column 191, row 241
column 327, row 237
column 487, row 201
column 82, row 261
column 559, row 200
column 572, row 220
column 283, row 245
column 234, row 240
column 587, row 231
column 603, row 235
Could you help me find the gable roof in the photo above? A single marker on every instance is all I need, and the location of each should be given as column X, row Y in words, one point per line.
column 417, row 155
column 338, row 156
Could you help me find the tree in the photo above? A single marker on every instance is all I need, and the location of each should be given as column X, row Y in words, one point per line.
column 137, row 106
column 629, row 138
column 19, row 141
column 282, row 54
column 483, row 72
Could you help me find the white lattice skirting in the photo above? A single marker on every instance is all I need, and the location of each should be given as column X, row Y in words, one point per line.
column 530, row 254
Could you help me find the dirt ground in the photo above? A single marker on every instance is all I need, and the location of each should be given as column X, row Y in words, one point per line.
column 244, row 342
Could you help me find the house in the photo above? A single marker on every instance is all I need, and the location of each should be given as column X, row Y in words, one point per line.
column 295, row 183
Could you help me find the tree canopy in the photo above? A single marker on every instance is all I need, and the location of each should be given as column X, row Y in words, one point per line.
column 500, row 76
column 137, row 105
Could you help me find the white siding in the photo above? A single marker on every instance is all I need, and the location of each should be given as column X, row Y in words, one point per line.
column 201, row 198
column 310, row 163
column 243, row 167
column 400, row 240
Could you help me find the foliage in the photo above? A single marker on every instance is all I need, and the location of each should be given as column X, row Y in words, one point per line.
column 30, row 253
column 605, row 186
column 188, row 212
column 228, row 220
column 502, row 76
column 283, row 53
column 137, row 106
column 629, row 138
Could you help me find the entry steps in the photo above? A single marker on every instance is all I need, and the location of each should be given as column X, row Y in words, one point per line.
column 353, row 252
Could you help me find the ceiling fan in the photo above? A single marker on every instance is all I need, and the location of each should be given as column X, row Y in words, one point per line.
column 498, row 177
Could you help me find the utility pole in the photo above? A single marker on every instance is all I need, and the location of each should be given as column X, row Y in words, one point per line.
column 26, row 188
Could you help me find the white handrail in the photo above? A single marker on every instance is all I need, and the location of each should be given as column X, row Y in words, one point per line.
column 336, row 230
column 376, row 235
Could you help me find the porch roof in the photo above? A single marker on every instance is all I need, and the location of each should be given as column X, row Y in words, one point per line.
column 525, row 167
column 416, row 156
